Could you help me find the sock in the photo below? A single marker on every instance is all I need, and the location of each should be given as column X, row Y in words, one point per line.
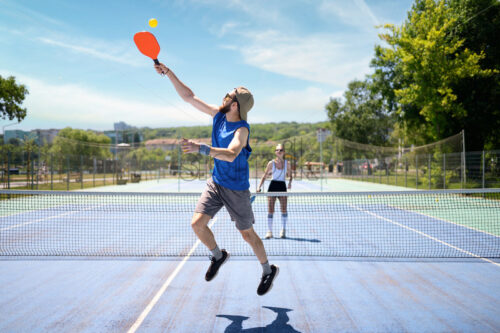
column 270, row 221
column 216, row 252
column 284, row 218
column 266, row 268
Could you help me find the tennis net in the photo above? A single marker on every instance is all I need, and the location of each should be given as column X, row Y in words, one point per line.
column 412, row 224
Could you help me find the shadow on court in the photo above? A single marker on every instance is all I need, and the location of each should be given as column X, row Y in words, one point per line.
column 310, row 240
column 280, row 324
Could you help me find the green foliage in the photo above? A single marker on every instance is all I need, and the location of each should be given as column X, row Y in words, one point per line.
column 362, row 117
column 11, row 97
column 75, row 142
column 425, row 61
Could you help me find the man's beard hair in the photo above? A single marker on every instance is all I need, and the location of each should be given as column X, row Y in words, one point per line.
column 225, row 108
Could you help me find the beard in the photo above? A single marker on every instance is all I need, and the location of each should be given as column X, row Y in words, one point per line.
column 225, row 108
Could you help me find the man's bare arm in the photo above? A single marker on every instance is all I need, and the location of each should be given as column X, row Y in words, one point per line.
column 186, row 93
column 224, row 154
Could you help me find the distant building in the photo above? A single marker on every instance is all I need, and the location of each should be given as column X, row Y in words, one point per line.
column 122, row 126
column 124, row 133
column 171, row 144
column 45, row 136
column 19, row 135
column 41, row 137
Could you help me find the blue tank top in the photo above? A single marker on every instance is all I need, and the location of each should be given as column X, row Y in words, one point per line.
column 233, row 175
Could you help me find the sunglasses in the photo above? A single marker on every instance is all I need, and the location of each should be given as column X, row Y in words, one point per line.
column 279, row 150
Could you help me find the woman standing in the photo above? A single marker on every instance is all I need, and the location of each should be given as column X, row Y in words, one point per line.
column 279, row 169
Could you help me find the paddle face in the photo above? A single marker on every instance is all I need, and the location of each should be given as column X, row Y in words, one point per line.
column 147, row 44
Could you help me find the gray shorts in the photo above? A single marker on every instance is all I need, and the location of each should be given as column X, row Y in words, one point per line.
column 237, row 204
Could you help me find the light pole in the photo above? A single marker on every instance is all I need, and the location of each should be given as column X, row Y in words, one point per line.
column 3, row 129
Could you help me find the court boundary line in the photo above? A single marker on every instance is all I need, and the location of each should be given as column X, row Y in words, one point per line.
column 164, row 287
column 45, row 218
column 444, row 220
column 425, row 235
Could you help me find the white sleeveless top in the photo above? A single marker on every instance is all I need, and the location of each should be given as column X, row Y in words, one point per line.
column 279, row 174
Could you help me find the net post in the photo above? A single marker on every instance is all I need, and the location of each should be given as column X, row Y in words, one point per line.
column 94, row 165
column 104, row 172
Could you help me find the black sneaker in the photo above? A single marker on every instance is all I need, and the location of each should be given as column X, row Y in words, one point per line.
column 215, row 265
column 266, row 283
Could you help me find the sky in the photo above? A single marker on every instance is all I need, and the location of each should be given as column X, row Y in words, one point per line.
column 82, row 69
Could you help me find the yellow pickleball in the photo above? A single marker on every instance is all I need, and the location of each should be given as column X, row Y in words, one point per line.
column 153, row 23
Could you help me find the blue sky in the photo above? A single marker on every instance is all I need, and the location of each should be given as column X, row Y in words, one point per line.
column 82, row 69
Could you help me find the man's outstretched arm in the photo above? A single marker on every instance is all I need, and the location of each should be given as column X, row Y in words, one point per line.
column 186, row 93
column 228, row 154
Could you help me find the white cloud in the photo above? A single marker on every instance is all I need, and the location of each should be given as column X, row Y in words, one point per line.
column 107, row 51
column 306, row 105
column 71, row 105
column 331, row 59
column 353, row 13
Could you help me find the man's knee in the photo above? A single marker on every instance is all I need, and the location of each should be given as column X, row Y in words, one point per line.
column 199, row 221
column 249, row 236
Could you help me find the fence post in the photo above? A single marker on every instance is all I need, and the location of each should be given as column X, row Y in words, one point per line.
column 94, row 164
column 406, row 171
column 8, row 170
column 67, row 173
column 104, row 172
column 81, row 171
column 51, row 172
column 32, row 173
column 483, row 169
column 429, row 171
column 444, row 171
column 256, row 174
column 396, row 171
column 416, row 172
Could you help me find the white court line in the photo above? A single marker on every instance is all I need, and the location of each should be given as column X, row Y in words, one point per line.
column 47, row 218
column 425, row 235
column 444, row 220
column 164, row 287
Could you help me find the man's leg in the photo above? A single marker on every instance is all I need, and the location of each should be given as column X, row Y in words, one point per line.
column 251, row 237
column 199, row 223
column 269, row 271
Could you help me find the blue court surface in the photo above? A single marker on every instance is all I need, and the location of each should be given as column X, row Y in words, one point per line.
column 355, row 263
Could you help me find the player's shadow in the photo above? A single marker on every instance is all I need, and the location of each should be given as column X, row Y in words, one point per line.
column 310, row 240
column 280, row 324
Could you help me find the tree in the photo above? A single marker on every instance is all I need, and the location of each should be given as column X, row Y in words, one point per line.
column 81, row 143
column 11, row 97
column 426, row 60
column 362, row 117
column 478, row 25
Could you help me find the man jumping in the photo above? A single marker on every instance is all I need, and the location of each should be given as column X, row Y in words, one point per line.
column 229, row 185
